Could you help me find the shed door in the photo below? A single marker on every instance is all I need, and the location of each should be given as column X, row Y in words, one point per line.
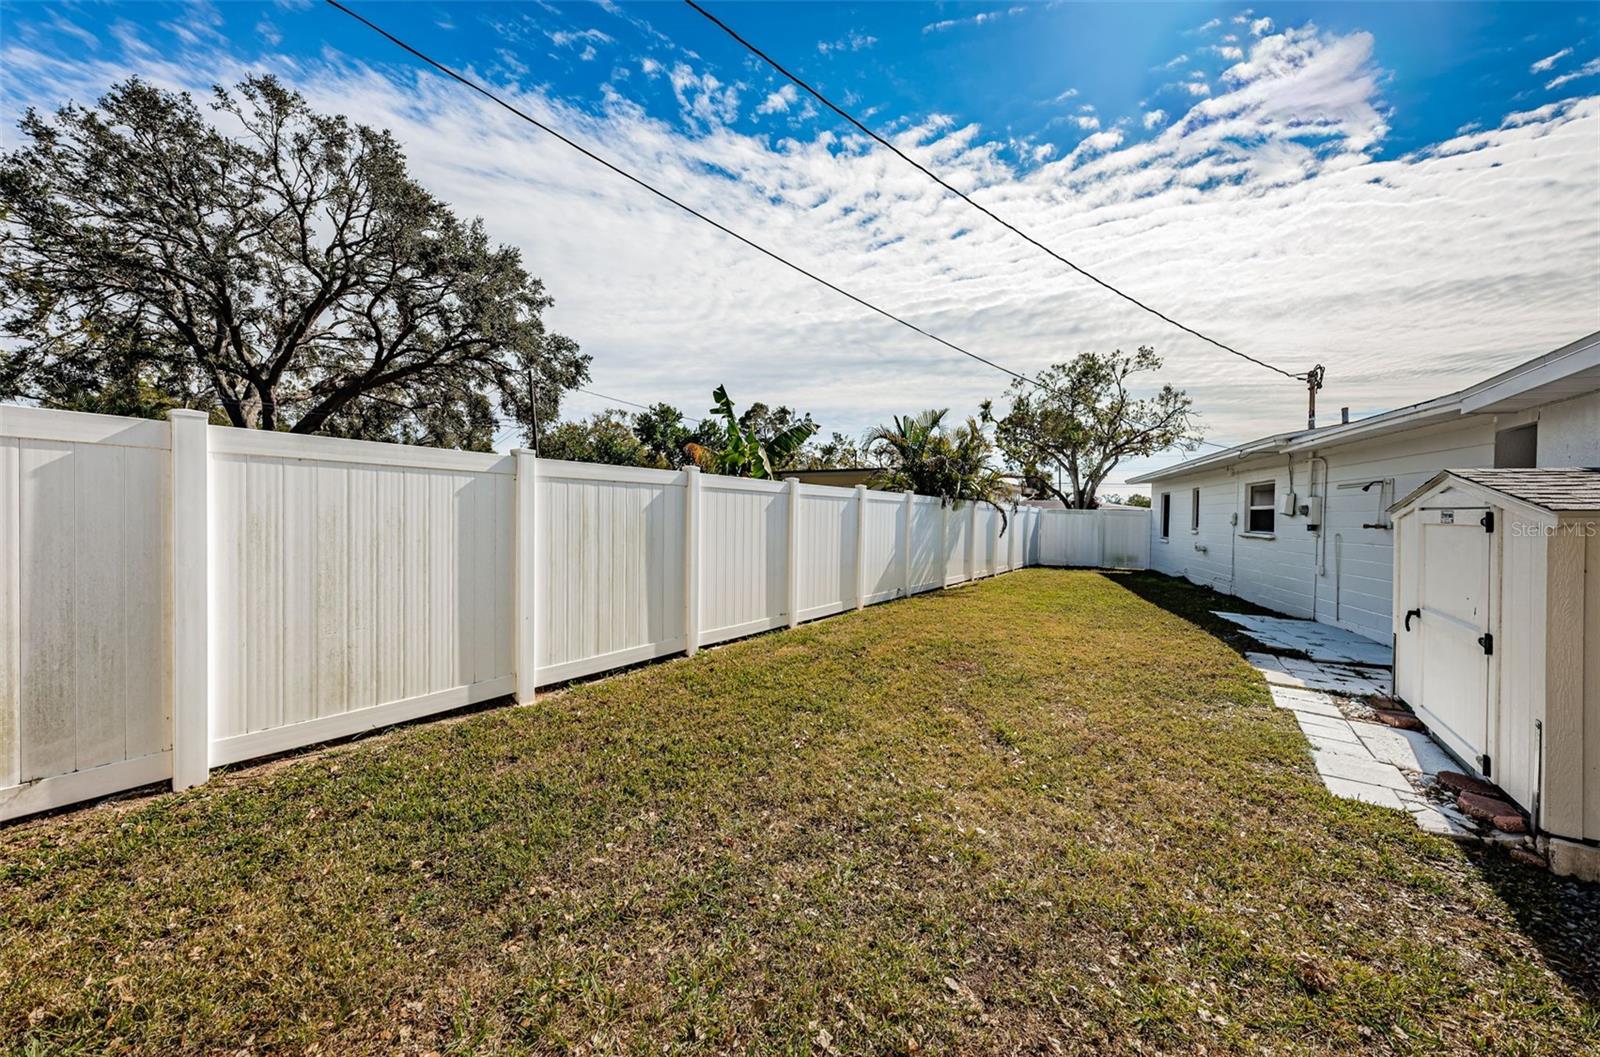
column 1454, row 598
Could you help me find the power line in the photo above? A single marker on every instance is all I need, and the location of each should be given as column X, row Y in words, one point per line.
column 837, row 109
column 586, row 152
column 576, row 389
column 613, row 399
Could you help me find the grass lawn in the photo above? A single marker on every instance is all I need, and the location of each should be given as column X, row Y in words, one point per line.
column 1048, row 813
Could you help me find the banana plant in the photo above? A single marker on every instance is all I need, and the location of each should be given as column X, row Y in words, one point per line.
column 743, row 453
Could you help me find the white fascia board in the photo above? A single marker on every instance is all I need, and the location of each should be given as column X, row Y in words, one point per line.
column 1218, row 460
column 1520, row 389
column 1442, row 410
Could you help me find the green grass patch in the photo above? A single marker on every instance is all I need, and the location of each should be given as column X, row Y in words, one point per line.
column 1050, row 812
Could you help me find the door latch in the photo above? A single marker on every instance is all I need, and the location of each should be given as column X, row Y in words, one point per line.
column 1487, row 521
column 1411, row 613
column 1486, row 640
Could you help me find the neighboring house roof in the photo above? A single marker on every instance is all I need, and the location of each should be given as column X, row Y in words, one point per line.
column 1558, row 489
column 1572, row 370
column 847, row 477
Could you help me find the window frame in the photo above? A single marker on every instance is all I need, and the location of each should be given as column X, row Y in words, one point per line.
column 1194, row 510
column 1270, row 507
column 1165, row 514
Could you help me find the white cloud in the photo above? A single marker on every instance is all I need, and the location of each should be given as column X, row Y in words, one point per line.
column 1194, row 87
column 1064, row 96
column 1260, row 215
column 567, row 38
column 981, row 18
column 1085, row 121
column 650, row 67
column 1175, row 61
column 1044, row 152
column 1260, row 27
column 1588, row 69
column 702, row 98
column 1100, row 141
column 1229, row 51
column 852, row 41
column 1548, row 63
column 780, row 101
column 1207, row 26
column 1154, row 118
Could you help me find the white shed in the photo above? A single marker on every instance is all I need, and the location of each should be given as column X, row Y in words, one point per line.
column 1497, row 638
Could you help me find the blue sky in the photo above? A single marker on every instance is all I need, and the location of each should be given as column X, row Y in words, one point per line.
column 1405, row 192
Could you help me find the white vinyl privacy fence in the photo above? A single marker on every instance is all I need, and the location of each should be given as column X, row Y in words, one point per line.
column 176, row 596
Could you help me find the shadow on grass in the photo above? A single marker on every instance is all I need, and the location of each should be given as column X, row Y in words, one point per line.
column 1559, row 916
column 1196, row 604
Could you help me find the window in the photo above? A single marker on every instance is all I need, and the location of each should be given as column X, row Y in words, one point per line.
column 1166, row 514
column 1261, row 512
column 1194, row 510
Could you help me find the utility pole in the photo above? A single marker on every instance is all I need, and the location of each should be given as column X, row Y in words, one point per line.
column 1313, row 383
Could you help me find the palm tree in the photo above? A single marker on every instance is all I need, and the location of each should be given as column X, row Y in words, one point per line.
column 743, row 453
column 918, row 454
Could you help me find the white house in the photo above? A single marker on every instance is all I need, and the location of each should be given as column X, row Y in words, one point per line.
column 1298, row 522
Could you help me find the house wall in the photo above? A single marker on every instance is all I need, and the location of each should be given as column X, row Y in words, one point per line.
column 1341, row 575
column 1569, row 432
column 1356, row 568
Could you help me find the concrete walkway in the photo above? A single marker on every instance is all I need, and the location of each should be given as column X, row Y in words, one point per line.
column 1320, row 642
column 1355, row 759
column 1374, row 763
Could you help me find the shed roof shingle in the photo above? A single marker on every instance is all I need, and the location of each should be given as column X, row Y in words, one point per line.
column 1555, row 488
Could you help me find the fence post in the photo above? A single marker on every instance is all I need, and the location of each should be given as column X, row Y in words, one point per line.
column 793, row 485
column 527, row 574
column 944, row 544
column 861, row 547
column 191, row 532
column 970, row 552
column 691, row 559
column 1011, row 539
column 907, row 511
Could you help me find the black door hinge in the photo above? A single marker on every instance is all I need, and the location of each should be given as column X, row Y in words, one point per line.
column 1486, row 640
column 1485, row 765
column 1487, row 521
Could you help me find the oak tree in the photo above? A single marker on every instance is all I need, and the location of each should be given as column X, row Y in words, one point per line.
column 276, row 266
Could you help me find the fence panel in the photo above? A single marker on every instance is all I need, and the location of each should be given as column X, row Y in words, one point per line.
column 1104, row 538
column 927, row 543
column 884, row 572
column 744, row 548
column 353, row 584
column 826, row 551
column 957, row 530
column 1127, row 539
column 611, row 567
column 85, row 562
